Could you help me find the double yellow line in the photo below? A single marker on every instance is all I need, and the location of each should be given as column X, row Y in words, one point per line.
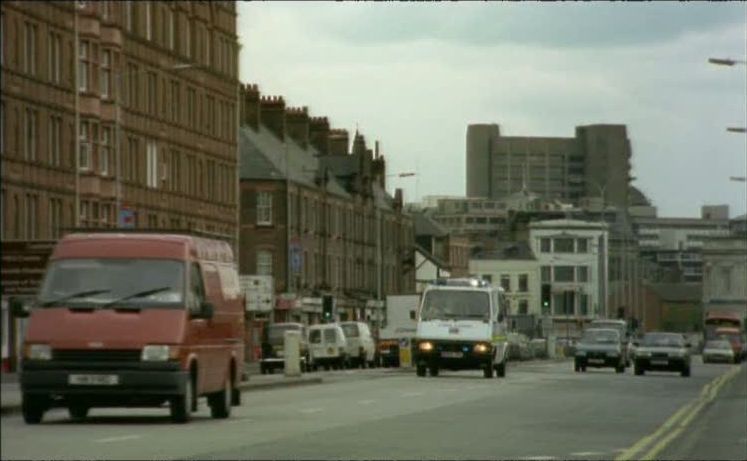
column 676, row 423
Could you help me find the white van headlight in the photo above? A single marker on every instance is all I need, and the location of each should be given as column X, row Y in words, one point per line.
column 425, row 346
column 39, row 352
column 155, row 353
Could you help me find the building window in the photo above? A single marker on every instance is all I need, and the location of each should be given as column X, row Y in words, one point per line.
column 148, row 21
column 506, row 283
column 55, row 57
column 487, row 278
column 84, row 155
column 264, row 208
column 582, row 274
column 29, row 49
column 54, row 140
column 106, row 73
column 546, row 274
column 55, row 217
column 151, row 93
column 106, row 150
column 264, row 262
column 584, row 304
column 83, row 66
column 170, row 27
column 129, row 16
column 563, row 245
column 105, row 9
column 191, row 108
column 523, row 283
column 564, row 273
column 132, row 86
column 188, row 38
column 175, row 90
column 545, row 245
column 30, row 132
column 32, row 202
column 152, row 164
column 523, row 307
column 582, row 245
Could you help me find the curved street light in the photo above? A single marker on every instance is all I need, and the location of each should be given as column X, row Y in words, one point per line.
column 726, row 61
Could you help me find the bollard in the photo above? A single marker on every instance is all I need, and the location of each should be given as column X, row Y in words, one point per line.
column 292, row 353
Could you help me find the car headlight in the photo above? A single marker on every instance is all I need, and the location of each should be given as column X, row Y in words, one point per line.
column 39, row 352
column 481, row 348
column 157, row 353
column 425, row 346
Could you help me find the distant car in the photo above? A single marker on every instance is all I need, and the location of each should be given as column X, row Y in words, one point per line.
column 327, row 346
column 622, row 327
column 361, row 348
column 519, row 347
column 599, row 348
column 660, row 351
column 718, row 350
column 273, row 355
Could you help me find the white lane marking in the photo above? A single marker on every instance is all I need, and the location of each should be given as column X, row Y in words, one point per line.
column 619, row 450
column 366, row 402
column 120, row 438
column 538, row 458
column 587, row 453
column 310, row 410
column 411, row 394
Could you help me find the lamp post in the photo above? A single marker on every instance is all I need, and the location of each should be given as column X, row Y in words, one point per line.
column 603, row 246
column 736, row 129
column 726, row 61
column 119, row 75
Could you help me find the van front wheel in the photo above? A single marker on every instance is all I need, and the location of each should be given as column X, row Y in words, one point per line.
column 181, row 405
column 500, row 370
column 220, row 402
column 33, row 408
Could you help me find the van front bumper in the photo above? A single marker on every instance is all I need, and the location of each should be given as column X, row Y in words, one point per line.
column 162, row 379
column 454, row 355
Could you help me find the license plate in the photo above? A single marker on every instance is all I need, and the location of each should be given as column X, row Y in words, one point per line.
column 659, row 362
column 452, row 355
column 93, row 380
column 596, row 360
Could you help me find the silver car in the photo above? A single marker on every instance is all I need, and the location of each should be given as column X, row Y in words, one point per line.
column 600, row 347
column 662, row 352
column 718, row 350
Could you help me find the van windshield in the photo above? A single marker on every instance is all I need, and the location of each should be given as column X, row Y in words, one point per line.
column 97, row 282
column 315, row 336
column 456, row 304
column 350, row 330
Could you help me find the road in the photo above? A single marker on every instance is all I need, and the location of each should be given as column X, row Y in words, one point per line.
column 542, row 410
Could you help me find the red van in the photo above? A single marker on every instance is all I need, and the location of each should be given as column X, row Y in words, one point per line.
column 134, row 319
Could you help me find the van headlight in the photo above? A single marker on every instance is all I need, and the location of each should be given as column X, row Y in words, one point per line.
column 481, row 348
column 38, row 352
column 425, row 346
column 156, row 353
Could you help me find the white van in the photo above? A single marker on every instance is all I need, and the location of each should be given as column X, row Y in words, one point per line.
column 361, row 349
column 462, row 325
column 327, row 346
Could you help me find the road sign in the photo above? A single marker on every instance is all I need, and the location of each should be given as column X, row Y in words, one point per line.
column 296, row 256
column 127, row 218
column 23, row 265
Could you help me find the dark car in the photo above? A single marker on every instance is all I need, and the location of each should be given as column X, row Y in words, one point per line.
column 598, row 348
column 273, row 344
column 662, row 352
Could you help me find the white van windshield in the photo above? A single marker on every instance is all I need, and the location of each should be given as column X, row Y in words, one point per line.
column 329, row 336
column 455, row 304
column 350, row 330
column 100, row 282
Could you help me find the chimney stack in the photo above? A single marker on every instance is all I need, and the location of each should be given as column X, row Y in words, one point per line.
column 297, row 124
column 319, row 134
column 249, row 105
column 272, row 114
column 339, row 141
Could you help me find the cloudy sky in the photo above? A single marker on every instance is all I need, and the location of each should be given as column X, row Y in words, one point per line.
column 414, row 75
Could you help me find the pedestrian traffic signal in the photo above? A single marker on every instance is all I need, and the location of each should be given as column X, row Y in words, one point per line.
column 545, row 297
column 327, row 307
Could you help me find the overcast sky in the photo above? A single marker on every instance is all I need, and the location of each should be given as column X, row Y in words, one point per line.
column 414, row 75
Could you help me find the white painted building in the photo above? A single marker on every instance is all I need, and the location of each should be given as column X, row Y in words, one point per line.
column 513, row 267
column 573, row 260
column 725, row 274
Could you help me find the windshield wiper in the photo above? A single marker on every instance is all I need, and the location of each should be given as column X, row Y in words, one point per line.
column 139, row 294
column 74, row 295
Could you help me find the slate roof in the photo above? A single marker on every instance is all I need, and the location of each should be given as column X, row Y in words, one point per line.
column 508, row 251
column 427, row 226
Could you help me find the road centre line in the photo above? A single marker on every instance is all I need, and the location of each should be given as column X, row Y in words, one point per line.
column 120, row 438
column 588, row 453
column 678, row 420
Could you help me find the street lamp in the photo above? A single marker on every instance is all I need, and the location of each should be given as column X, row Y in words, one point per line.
column 726, row 61
column 736, row 129
column 119, row 75
column 738, row 178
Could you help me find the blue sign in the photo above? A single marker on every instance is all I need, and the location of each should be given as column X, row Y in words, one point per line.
column 296, row 257
column 127, row 218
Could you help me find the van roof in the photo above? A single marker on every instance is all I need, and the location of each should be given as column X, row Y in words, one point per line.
column 111, row 245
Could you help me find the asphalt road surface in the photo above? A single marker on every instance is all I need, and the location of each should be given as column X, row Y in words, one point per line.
column 541, row 410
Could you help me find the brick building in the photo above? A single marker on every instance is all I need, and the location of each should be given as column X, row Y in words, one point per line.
column 315, row 214
column 159, row 153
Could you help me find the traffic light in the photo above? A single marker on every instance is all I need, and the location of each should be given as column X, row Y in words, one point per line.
column 327, row 307
column 545, row 297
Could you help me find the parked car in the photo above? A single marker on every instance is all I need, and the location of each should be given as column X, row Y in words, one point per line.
column 661, row 351
column 718, row 350
column 599, row 348
column 134, row 318
column 519, row 347
column 622, row 327
column 361, row 348
column 539, row 348
column 273, row 343
column 327, row 346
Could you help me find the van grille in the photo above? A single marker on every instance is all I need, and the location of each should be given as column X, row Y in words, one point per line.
column 97, row 355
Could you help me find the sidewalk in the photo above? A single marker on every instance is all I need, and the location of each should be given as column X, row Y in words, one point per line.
column 10, row 390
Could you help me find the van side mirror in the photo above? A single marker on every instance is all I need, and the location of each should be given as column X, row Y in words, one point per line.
column 412, row 315
column 18, row 307
column 207, row 310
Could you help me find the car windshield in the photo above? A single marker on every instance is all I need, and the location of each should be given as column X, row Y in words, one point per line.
column 329, row 336
column 104, row 282
column 600, row 337
column 315, row 336
column 276, row 333
column 663, row 340
column 720, row 344
column 350, row 330
column 455, row 304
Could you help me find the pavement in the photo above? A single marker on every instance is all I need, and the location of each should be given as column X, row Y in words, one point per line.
column 542, row 410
